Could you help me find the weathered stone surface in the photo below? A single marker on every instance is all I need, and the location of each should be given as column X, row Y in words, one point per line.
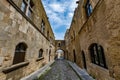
column 1, row 61
column 101, row 27
column 1, row 16
column 15, row 28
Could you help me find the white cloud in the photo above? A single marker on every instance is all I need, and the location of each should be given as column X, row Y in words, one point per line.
column 57, row 7
column 70, row 15
column 59, row 36
column 60, row 14
column 73, row 5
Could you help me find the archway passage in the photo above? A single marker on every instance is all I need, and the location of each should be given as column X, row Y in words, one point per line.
column 59, row 54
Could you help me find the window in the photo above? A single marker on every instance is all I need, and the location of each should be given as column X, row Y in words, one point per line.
column 59, row 44
column 26, row 7
column 43, row 27
column 48, row 34
column 20, row 53
column 88, row 8
column 29, row 13
column 97, row 55
column 40, row 53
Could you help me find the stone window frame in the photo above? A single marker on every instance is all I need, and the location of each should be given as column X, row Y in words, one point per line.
column 28, row 8
column 88, row 8
column 97, row 55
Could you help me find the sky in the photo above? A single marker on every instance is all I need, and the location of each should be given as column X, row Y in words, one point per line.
column 60, row 13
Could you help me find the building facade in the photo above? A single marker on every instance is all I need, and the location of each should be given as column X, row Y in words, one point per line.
column 93, row 40
column 26, row 38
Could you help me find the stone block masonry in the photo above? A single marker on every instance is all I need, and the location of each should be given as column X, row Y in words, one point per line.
column 21, row 35
column 94, row 37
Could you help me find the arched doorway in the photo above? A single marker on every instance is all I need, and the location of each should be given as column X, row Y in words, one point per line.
column 84, row 60
column 60, row 54
column 74, row 54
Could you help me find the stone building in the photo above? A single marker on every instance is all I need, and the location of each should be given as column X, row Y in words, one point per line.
column 60, row 48
column 93, row 40
column 26, row 38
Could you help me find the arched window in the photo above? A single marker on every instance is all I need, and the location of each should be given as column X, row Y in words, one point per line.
column 97, row 55
column 40, row 53
column 20, row 53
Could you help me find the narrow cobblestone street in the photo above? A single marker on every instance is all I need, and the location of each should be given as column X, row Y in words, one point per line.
column 60, row 70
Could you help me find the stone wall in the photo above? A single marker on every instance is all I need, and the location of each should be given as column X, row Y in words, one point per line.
column 16, row 28
column 101, row 27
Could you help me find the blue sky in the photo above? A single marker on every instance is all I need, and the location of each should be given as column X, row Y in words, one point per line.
column 60, row 13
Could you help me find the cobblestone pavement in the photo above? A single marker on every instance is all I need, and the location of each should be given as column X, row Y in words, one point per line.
column 60, row 70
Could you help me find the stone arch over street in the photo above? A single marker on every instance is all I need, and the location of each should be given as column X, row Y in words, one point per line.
column 59, row 54
column 60, row 48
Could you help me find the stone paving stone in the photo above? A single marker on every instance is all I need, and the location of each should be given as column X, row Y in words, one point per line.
column 60, row 70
